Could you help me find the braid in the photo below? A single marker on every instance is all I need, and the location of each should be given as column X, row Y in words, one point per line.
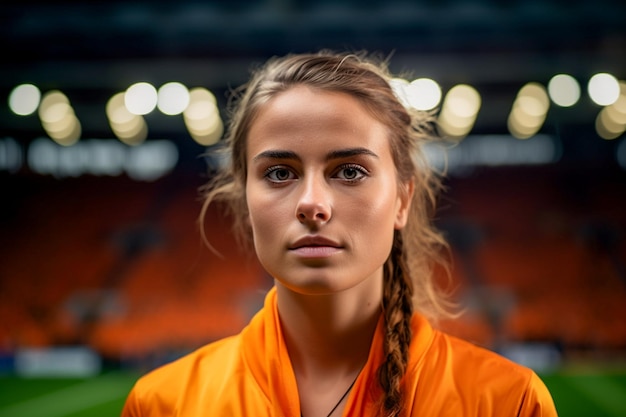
column 398, row 309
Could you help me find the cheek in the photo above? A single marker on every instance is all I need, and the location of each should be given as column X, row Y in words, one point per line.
column 378, row 205
column 265, row 215
column 374, row 216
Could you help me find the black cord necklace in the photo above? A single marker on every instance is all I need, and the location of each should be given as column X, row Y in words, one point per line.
column 345, row 394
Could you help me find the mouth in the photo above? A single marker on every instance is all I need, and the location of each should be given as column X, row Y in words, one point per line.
column 315, row 247
column 314, row 241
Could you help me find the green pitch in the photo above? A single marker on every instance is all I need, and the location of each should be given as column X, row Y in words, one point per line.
column 588, row 393
column 584, row 393
column 102, row 396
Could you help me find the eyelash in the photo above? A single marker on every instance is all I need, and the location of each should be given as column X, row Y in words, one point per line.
column 274, row 169
column 362, row 173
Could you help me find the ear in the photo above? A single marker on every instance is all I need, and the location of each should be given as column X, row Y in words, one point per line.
column 403, row 207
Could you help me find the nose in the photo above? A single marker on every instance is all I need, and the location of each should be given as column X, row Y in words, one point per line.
column 314, row 205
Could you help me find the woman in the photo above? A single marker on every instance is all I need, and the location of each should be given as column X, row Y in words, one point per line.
column 328, row 180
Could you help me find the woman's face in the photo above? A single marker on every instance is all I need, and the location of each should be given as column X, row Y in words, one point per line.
column 322, row 191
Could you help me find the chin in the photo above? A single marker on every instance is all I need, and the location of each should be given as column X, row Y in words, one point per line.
column 313, row 286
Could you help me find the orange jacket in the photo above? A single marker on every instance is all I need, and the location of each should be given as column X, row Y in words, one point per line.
column 250, row 374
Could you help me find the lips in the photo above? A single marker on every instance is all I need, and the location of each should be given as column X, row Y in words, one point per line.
column 315, row 247
column 314, row 241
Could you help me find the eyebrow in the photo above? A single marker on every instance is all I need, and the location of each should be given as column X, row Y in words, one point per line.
column 336, row 154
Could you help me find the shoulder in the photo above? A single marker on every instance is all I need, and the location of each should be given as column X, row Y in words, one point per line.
column 212, row 356
column 161, row 389
column 484, row 365
column 216, row 357
column 479, row 379
column 433, row 348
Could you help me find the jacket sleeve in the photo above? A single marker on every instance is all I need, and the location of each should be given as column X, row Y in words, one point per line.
column 537, row 401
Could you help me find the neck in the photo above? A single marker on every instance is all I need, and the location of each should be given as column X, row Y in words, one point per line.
column 329, row 334
column 328, row 338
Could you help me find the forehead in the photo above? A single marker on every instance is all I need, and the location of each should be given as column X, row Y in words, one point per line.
column 303, row 113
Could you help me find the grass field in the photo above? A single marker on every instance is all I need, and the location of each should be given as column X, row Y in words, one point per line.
column 583, row 393
column 64, row 397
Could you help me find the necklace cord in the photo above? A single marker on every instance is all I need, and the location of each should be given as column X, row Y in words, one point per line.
column 345, row 394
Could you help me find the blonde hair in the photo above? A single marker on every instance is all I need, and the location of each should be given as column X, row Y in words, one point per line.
column 417, row 249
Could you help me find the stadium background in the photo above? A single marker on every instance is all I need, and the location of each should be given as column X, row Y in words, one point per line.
column 103, row 273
